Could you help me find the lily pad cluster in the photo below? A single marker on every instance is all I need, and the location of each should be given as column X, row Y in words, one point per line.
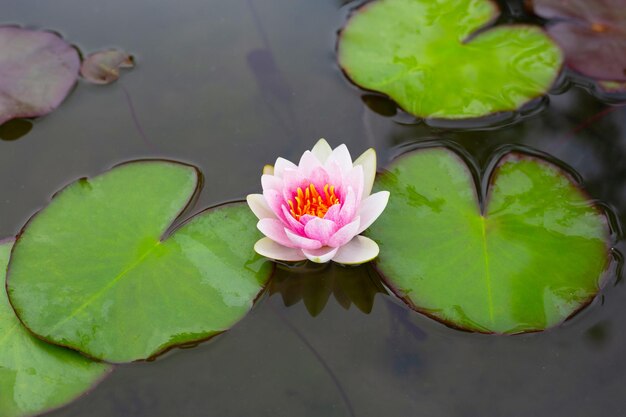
column 442, row 59
column 39, row 69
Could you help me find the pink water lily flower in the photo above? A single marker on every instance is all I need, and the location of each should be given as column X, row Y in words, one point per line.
column 317, row 209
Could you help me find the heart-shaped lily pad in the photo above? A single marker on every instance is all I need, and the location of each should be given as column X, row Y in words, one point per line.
column 37, row 71
column 592, row 34
column 428, row 57
column 94, row 272
column 36, row 376
column 531, row 258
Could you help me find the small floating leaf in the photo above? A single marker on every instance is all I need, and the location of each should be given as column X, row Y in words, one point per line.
column 534, row 256
column 37, row 71
column 36, row 376
column 428, row 56
column 92, row 270
column 104, row 67
column 592, row 34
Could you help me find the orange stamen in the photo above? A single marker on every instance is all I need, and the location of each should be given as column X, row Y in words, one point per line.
column 309, row 201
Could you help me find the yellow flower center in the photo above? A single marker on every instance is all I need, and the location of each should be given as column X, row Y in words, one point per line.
column 310, row 201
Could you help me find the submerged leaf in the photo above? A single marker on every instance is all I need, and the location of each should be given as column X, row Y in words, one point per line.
column 532, row 258
column 104, row 67
column 36, row 376
column 592, row 34
column 37, row 71
column 93, row 271
column 428, row 56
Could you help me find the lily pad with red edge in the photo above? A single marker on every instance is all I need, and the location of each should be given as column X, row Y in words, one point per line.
column 37, row 71
column 104, row 67
column 438, row 59
column 533, row 255
column 35, row 376
column 97, row 270
column 592, row 34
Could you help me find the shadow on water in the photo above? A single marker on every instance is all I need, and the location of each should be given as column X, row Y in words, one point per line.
column 313, row 284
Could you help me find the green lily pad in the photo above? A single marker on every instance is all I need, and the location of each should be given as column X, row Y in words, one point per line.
column 94, row 272
column 534, row 256
column 36, row 376
column 428, row 56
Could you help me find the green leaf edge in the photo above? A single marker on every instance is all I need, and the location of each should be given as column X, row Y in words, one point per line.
column 483, row 180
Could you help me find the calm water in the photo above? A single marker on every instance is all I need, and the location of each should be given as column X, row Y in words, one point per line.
column 231, row 85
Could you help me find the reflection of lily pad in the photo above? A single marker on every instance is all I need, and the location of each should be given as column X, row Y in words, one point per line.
column 104, row 67
column 592, row 34
column 427, row 56
column 534, row 257
column 37, row 71
column 36, row 376
column 93, row 271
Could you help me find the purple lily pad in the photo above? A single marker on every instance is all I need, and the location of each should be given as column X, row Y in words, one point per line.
column 104, row 67
column 37, row 71
column 591, row 32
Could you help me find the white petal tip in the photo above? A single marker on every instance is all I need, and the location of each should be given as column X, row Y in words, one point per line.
column 358, row 251
column 270, row 249
column 268, row 170
column 322, row 255
column 259, row 206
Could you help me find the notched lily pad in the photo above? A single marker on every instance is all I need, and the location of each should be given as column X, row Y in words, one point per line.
column 532, row 257
column 592, row 34
column 104, row 67
column 37, row 71
column 94, row 272
column 434, row 60
column 35, row 376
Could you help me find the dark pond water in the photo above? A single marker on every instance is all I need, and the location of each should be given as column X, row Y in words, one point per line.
column 231, row 85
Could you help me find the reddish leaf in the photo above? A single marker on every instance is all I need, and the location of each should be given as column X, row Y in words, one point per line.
column 591, row 32
column 104, row 67
column 37, row 71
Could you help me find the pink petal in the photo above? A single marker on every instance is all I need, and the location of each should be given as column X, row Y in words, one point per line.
column 371, row 208
column 348, row 208
column 345, row 234
column 295, row 225
column 282, row 164
column 368, row 161
column 320, row 256
column 275, row 202
column 335, row 176
column 306, row 218
column 341, row 156
column 320, row 230
column 302, row 242
column 271, row 182
column 259, row 207
column 354, row 179
column 332, row 214
column 322, row 150
column 270, row 249
column 292, row 180
column 275, row 230
column 308, row 162
column 319, row 178
column 359, row 250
